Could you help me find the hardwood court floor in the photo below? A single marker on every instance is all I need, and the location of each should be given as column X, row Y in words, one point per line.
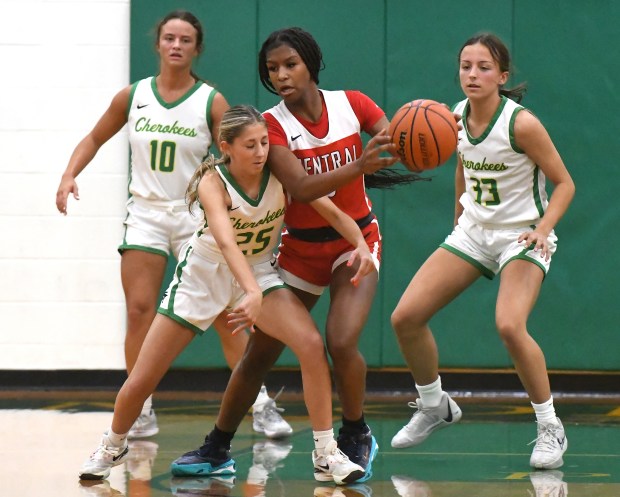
column 46, row 436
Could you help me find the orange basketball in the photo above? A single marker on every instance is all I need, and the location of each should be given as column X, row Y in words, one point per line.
column 425, row 134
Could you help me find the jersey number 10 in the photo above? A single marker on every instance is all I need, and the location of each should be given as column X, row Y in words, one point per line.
column 162, row 156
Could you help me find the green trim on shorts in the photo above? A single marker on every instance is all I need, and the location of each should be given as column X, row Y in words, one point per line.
column 277, row 287
column 486, row 272
column 523, row 256
column 180, row 320
column 142, row 248
column 177, row 275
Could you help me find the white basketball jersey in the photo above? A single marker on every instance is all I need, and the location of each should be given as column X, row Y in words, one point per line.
column 503, row 186
column 257, row 222
column 168, row 140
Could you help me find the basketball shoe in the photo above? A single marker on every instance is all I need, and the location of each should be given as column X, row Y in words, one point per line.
column 105, row 457
column 333, row 465
column 145, row 426
column 207, row 460
column 551, row 443
column 426, row 420
column 408, row 487
column 266, row 416
column 360, row 447
column 548, row 484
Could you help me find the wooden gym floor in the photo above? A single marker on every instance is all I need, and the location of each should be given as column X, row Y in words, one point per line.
column 46, row 436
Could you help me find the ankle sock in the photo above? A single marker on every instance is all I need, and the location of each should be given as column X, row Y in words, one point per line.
column 148, row 405
column 115, row 439
column 322, row 438
column 545, row 412
column 220, row 437
column 430, row 394
column 358, row 426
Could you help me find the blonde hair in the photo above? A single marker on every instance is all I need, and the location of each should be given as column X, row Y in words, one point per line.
column 233, row 122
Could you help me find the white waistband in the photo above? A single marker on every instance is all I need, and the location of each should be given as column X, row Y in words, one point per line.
column 161, row 205
column 506, row 226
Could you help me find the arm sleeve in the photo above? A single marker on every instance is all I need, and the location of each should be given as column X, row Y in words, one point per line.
column 366, row 110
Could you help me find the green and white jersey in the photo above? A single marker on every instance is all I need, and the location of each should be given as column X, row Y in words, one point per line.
column 504, row 188
column 257, row 222
column 168, row 140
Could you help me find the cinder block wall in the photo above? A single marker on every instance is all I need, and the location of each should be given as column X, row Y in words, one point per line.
column 61, row 301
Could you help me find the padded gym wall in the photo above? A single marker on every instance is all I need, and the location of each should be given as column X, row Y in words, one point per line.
column 400, row 50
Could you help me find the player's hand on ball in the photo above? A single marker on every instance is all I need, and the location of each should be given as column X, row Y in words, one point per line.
column 371, row 160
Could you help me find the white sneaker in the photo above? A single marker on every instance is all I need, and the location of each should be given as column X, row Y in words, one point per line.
column 267, row 419
column 408, row 487
column 549, row 484
column 334, row 465
column 427, row 420
column 551, row 443
column 145, row 426
column 100, row 462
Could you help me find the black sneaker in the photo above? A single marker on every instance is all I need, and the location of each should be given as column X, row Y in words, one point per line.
column 361, row 448
column 205, row 461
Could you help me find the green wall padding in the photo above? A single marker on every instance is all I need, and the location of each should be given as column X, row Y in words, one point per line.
column 400, row 50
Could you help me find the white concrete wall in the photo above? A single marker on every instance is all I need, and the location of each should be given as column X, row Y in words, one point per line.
column 61, row 301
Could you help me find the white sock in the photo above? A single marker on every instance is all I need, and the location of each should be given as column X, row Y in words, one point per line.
column 545, row 412
column 322, row 438
column 115, row 439
column 148, row 405
column 262, row 397
column 430, row 394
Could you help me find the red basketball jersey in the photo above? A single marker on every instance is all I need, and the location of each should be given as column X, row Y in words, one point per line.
column 324, row 146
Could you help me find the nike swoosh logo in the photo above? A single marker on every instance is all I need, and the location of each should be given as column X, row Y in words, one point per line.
column 448, row 419
column 561, row 441
column 116, row 458
column 293, row 138
column 142, row 106
column 323, row 467
column 235, row 208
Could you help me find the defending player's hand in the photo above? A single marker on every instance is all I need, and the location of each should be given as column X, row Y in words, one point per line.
column 67, row 186
column 371, row 160
column 361, row 256
column 246, row 313
column 539, row 242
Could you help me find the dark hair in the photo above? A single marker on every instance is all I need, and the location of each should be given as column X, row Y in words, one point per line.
column 233, row 122
column 190, row 18
column 301, row 41
column 501, row 55
column 310, row 52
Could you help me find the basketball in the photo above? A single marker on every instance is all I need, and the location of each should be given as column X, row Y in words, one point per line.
column 425, row 134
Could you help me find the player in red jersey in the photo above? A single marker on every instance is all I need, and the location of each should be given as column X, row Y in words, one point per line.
column 316, row 149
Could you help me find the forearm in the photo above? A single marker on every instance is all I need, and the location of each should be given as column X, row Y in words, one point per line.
column 83, row 154
column 558, row 205
column 312, row 187
column 240, row 268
